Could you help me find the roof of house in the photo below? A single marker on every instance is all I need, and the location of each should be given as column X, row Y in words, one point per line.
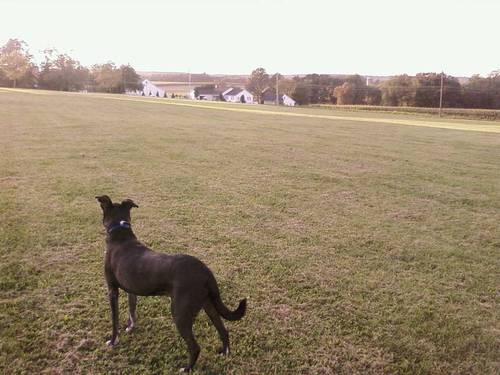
column 234, row 91
column 208, row 91
column 270, row 95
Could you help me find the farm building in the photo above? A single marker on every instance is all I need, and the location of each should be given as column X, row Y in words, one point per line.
column 148, row 89
column 231, row 94
column 206, row 93
column 269, row 97
column 237, row 95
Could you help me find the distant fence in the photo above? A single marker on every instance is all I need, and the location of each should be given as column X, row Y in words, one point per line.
column 480, row 114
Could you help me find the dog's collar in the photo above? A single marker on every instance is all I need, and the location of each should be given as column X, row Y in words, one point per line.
column 121, row 224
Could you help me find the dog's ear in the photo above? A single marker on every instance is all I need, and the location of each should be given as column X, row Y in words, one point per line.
column 105, row 201
column 129, row 203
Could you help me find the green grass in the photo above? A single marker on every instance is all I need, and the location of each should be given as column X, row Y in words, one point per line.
column 365, row 248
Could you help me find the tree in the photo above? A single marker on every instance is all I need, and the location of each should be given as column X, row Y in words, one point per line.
column 494, row 88
column 257, row 83
column 345, row 94
column 477, row 93
column 16, row 62
column 319, row 87
column 373, row 95
column 353, row 91
column 107, row 78
column 428, row 87
column 483, row 92
column 130, row 79
column 4, row 81
column 398, row 91
column 317, row 90
column 61, row 72
column 285, row 86
column 302, row 93
column 359, row 88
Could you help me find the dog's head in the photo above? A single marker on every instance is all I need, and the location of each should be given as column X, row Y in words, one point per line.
column 115, row 212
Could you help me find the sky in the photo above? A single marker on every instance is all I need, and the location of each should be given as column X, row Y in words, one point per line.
column 383, row 37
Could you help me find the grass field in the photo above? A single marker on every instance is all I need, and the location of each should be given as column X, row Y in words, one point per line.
column 470, row 113
column 367, row 243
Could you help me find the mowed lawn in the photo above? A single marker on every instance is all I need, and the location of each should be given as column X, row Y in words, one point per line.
column 364, row 248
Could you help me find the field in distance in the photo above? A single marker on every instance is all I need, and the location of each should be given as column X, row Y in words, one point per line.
column 366, row 246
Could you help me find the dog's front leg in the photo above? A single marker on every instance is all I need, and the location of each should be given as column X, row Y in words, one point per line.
column 113, row 303
column 132, row 317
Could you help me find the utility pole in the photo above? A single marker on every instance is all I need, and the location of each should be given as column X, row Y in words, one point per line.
column 123, row 81
column 441, row 95
column 277, row 90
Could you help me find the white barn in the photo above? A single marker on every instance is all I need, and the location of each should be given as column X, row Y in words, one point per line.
column 288, row 100
column 148, row 89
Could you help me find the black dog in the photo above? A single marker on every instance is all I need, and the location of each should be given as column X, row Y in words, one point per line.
column 139, row 271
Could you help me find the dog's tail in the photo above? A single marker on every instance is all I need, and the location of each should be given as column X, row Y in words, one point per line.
column 214, row 295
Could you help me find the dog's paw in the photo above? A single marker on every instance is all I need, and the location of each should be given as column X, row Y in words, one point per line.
column 111, row 344
column 185, row 369
column 130, row 324
column 223, row 351
column 130, row 327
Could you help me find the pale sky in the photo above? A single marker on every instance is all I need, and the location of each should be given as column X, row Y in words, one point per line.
column 383, row 37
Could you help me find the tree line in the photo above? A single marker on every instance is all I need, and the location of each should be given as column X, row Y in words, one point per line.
column 59, row 71
column 421, row 90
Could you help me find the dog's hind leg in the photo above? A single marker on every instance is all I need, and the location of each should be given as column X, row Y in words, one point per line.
column 219, row 325
column 184, row 314
column 113, row 303
column 132, row 316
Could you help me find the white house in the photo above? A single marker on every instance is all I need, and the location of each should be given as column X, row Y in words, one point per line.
column 206, row 93
column 148, row 89
column 237, row 95
column 269, row 97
